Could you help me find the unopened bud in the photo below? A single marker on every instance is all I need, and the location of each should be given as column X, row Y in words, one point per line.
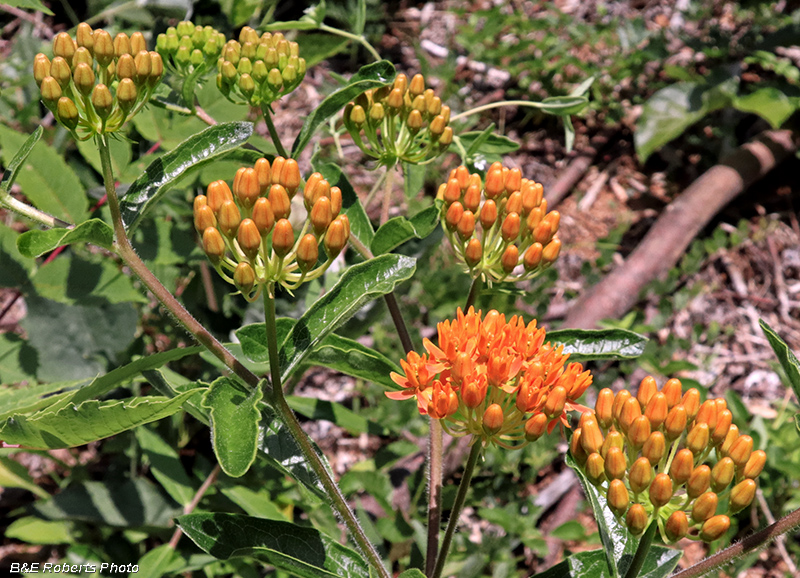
column 675, row 423
column 677, row 526
column 614, row 439
column 84, row 36
column 691, row 401
column 493, row 418
column 213, row 244
column 279, row 201
column 67, row 112
column 122, row 44
column 755, row 464
column 640, row 475
column 535, row 427
column 263, row 216
column 472, row 198
column 697, row 438
column 249, row 238
column 616, row 463
column 218, row 192
column 282, row 237
column 741, row 450
column 307, row 252
column 647, row 388
column 657, row 409
column 722, row 474
column 60, row 70
column 244, row 277
column 51, row 91
column 204, row 218
column 742, row 495
column 228, row 218
column 699, row 481
column 704, row 507
column 595, row 469
column 103, row 47
column 707, row 413
column 102, row 100
column 41, row 68
column 290, row 176
column 682, row 466
column 636, row 519
column 730, row 437
column 488, row 215
column 672, row 390
column 639, row 431
column 577, row 451
column 321, row 215
column 630, row 411
column 617, row 496
column 551, row 251
column 83, row 77
column 510, row 228
column 510, row 258
column 64, row 46
column 336, row 236
column 661, row 490
column 473, row 253
column 466, row 225
column 714, row 528
column 246, row 187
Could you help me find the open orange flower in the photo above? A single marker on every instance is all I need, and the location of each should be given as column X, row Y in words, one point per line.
column 487, row 368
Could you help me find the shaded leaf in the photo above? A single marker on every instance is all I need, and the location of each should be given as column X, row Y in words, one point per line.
column 563, row 105
column 590, row 344
column 787, row 358
column 769, row 103
column 13, row 166
column 333, row 412
column 358, row 285
column 253, row 338
column 194, row 152
column 34, row 242
column 368, row 77
column 492, row 143
column 412, row 573
column 234, row 419
column 29, row 5
column 302, row 551
column 157, row 562
column 18, row 361
column 75, row 425
column 14, row 475
column 318, row 47
column 14, row 266
column 34, row 397
column 660, row 562
column 398, row 230
column 354, row 359
column 37, row 531
column 166, row 466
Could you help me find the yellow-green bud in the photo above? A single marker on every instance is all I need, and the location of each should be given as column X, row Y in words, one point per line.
column 126, row 94
column 83, row 77
column 41, row 68
column 122, row 44
column 59, row 69
column 244, row 277
column 64, row 46
column 102, row 101
column 704, row 507
column 67, row 112
column 742, row 495
column 138, row 43
column 636, row 519
column 84, row 36
column 661, row 490
column 103, row 47
column 143, row 66
column 51, row 91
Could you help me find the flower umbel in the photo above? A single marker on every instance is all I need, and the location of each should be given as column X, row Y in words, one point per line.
column 494, row 379
column 664, row 456
column 500, row 229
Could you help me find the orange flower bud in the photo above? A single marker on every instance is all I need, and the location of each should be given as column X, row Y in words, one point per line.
column 510, row 258
column 677, row 526
column 741, row 450
column 613, row 439
column 51, row 91
column 542, row 233
column 675, row 423
column 249, row 238
column 395, row 99
column 533, row 256
column 514, row 203
column 672, row 390
column 654, row 448
column 531, row 197
column 639, row 431
column 513, row 180
column 144, row 65
column 218, row 192
column 533, row 219
column 707, row 414
column 730, row 437
column 704, row 507
column 661, row 490
column 400, row 83
column 619, row 400
column 213, row 244
column 441, row 404
column 493, row 419
column 279, row 201
column 682, row 466
column 551, row 251
column 263, row 216
column 511, row 226
column 199, row 201
column 617, row 496
column 603, row 407
column 417, row 85
column 64, row 46
column 630, row 411
column 228, row 217
column 447, row 135
column 699, row 481
column 60, row 70
column 697, row 438
column 595, row 469
column 592, row 437
column 454, row 213
column 307, row 252
column 290, row 176
column 722, row 474
column 138, row 43
column 473, row 253
column 462, row 175
column 714, row 528
column 724, row 419
column 122, row 44
column 204, row 218
column 657, row 409
column 336, row 236
column 691, row 401
column 535, row 427
column 742, row 495
column 452, row 192
column 494, row 181
column 336, row 201
column 640, row 475
column 244, row 277
column 466, row 225
column 755, row 464
column 84, row 36
column 473, row 390
column 264, row 174
column 41, row 68
column 321, row 215
column 488, row 214
column 647, row 388
column 616, row 463
column 246, row 187
column 472, row 197
column 277, row 169
column 636, row 519
column 282, row 237
column 576, row 449
column 83, row 77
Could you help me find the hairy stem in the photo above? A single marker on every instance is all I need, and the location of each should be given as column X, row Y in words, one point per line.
column 458, row 505
column 434, row 494
column 168, row 301
column 273, row 132
column 198, row 495
column 32, row 213
column 641, row 551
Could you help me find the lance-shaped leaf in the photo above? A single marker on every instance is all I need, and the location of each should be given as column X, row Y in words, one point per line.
column 34, row 242
column 75, row 425
column 12, row 168
column 590, row 344
column 358, row 285
column 299, row 550
column 166, row 466
column 14, row 475
column 370, row 76
column 789, row 362
column 234, row 416
column 17, row 400
column 398, row 230
column 192, row 153
column 659, row 563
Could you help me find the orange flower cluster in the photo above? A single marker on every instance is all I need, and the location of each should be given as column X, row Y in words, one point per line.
column 494, row 379
column 648, row 454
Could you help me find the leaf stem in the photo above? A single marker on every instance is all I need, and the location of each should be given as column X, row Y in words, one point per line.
column 641, row 551
column 753, row 542
column 357, row 37
column 30, row 212
column 491, row 105
column 458, row 505
column 287, row 415
column 273, row 132
column 474, row 291
column 124, row 249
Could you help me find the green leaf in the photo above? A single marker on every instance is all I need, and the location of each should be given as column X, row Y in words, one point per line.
column 33, row 398
column 370, row 76
column 253, row 338
column 413, row 179
column 14, row 267
column 769, row 103
column 358, row 285
column 412, row 573
column 34, row 242
column 194, row 152
column 787, row 358
column 318, row 47
column 166, row 466
column 398, row 230
column 336, row 413
column 660, row 562
column 119, row 149
column 563, row 105
column 234, row 417
column 351, row 358
column 492, row 143
column 591, row 344
column 14, row 475
column 157, row 562
column 256, row 502
column 12, row 167
column 75, row 425
column 18, row 360
column 619, row 544
column 45, row 178
column 589, row 564
column 131, row 504
column 71, row 279
column 295, row 549
column 37, row 531
column 360, row 226
column 29, row 5
column 797, row 423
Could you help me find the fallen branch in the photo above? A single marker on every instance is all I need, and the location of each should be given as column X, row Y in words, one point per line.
column 574, row 172
column 678, row 225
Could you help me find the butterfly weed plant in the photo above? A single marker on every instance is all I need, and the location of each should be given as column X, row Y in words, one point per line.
column 658, row 464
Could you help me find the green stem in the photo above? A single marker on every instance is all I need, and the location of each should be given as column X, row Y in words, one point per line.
column 434, row 494
column 474, row 291
column 170, row 303
column 357, row 37
column 273, row 132
column 331, row 488
column 641, row 551
column 455, row 513
column 388, row 184
column 749, row 544
column 492, row 105
column 32, row 213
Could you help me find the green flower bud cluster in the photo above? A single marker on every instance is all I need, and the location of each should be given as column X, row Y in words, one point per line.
column 259, row 70
column 648, row 454
column 187, row 48
column 95, row 84
column 247, row 233
column 402, row 121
